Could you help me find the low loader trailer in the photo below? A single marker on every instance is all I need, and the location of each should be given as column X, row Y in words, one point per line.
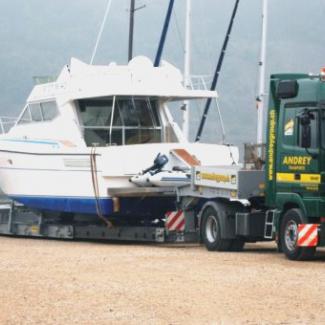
column 212, row 207
column 281, row 199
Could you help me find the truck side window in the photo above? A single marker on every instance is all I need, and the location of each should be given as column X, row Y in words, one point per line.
column 322, row 114
column 314, row 130
column 290, row 127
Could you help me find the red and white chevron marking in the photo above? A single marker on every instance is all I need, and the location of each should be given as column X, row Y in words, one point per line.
column 308, row 235
column 175, row 220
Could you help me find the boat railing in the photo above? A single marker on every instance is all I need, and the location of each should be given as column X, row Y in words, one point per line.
column 6, row 123
column 203, row 82
column 199, row 82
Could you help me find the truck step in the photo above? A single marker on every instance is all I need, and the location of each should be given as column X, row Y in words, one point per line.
column 269, row 223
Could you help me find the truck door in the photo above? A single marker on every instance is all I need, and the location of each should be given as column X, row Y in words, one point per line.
column 297, row 168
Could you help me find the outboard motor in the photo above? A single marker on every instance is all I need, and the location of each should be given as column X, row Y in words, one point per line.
column 142, row 179
column 158, row 164
column 155, row 176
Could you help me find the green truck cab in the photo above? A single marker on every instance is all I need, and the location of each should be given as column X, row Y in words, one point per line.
column 295, row 162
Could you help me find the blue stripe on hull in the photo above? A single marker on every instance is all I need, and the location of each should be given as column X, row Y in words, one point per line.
column 66, row 204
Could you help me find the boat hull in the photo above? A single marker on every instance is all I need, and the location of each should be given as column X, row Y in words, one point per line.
column 82, row 205
column 56, row 178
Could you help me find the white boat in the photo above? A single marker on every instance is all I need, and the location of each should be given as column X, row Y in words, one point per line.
column 92, row 130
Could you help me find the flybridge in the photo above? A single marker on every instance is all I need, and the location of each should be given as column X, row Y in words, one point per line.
column 138, row 78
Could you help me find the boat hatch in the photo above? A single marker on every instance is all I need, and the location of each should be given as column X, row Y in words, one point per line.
column 120, row 121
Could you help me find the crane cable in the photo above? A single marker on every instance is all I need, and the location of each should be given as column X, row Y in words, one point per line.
column 217, row 72
column 93, row 168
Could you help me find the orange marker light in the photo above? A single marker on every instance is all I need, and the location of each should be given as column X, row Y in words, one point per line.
column 322, row 74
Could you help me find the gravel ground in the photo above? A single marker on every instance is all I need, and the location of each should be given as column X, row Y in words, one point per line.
column 60, row 282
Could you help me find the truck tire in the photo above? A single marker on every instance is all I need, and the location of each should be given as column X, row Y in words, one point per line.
column 289, row 236
column 211, row 231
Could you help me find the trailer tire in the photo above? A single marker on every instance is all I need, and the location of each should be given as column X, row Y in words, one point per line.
column 289, row 236
column 211, row 231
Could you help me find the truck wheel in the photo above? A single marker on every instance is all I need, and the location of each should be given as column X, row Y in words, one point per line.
column 289, row 236
column 211, row 232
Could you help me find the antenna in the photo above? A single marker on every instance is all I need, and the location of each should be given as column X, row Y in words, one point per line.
column 131, row 27
column 187, row 69
column 260, row 99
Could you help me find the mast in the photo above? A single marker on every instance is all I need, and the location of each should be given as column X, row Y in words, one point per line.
column 164, row 33
column 131, row 29
column 217, row 72
column 261, row 96
column 187, row 69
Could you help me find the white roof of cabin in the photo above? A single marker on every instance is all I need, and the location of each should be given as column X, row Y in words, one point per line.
column 138, row 78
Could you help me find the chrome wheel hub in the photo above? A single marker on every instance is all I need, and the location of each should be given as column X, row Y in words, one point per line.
column 211, row 229
column 291, row 235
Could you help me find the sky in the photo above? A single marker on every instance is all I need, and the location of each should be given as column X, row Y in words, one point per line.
column 38, row 37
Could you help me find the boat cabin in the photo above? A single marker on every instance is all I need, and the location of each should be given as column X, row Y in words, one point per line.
column 108, row 105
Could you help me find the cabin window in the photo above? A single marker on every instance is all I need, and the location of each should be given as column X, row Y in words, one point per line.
column 39, row 112
column 49, row 111
column 96, row 113
column 120, row 120
column 25, row 117
column 36, row 113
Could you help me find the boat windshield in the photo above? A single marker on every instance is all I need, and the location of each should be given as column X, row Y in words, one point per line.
column 120, row 121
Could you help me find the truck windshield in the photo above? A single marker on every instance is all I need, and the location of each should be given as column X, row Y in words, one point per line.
column 120, row 121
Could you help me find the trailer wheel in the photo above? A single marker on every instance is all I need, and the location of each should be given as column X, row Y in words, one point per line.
column 211, row 231
column 289, row 236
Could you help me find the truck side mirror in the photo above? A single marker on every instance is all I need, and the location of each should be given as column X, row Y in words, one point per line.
column 305, row 134
column 287, row 89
